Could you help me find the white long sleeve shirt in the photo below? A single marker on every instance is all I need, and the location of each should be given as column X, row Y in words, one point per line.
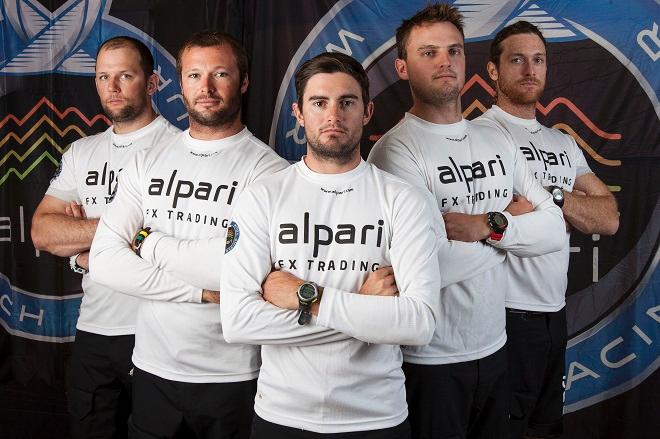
column 341, row 372
column 88, row 175
column 474, row 169
column 556, row 160
column 185, row 189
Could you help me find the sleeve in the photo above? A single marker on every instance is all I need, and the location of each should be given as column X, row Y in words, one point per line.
column 392, row 156
column 458, row 260
column 113, row 263
column 268, row 164
column 63, row 185
column 581, row 165
column 246, row 317
column 536, row 233
column 408, row 319
column 199, row 262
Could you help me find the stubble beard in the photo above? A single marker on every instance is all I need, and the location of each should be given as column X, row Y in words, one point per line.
column 340, row 153
column 436, row 96
column 517, row 97
column 125, row 114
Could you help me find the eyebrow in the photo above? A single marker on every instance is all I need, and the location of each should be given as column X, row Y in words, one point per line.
column 533, row 54
column 434, row 46
column 346, row 96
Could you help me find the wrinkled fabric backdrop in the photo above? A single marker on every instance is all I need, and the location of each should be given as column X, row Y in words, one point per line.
column 602, row 89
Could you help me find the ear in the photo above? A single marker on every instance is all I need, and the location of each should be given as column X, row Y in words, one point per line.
column 298, row 113
column 492, row 71
column 244, row 84
column 368, row 112
column 152, row 84
column 401, row 68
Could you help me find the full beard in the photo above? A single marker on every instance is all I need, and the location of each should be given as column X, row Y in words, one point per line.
column 218, row 118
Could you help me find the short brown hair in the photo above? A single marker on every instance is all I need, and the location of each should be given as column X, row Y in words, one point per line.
column 517, row 28
column 433, row 13
column 210, row 39
column 146, row 58
column 331, row 62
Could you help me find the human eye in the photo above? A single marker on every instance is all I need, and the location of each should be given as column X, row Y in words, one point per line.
column 454, row 51
column 221, row 74
column 193, row 75
column 539, row 60
column 102, row 77
column 126, row 76
column 428, row 53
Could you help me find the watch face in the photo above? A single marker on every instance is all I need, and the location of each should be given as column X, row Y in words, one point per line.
column 307, row 292
column 557, row 194
column 499, row 220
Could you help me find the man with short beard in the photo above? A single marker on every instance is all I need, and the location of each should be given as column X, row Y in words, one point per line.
column 456, row 386
column 330, row 317
column 535, row 299
column 99, row 383
column 188, row 380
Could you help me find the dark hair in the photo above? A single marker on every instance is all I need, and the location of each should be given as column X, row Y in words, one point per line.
column 146, row 58
column 331, row 62
column 211, row 39
column 433, row 13
column 517, row 28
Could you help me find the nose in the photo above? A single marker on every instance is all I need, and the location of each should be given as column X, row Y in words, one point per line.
column 207, row 84
column 528, row 68
column 333, row 111
column 113, row 84
column 443, row 59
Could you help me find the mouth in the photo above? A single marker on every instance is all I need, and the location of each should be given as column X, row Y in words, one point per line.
column 444, row 75
column 208, row 101
column 114, row 101
column 333, row 131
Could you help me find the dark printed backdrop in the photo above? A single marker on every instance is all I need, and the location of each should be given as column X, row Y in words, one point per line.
column 602, row 90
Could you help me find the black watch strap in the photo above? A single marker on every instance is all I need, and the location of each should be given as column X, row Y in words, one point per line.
column 305, row 313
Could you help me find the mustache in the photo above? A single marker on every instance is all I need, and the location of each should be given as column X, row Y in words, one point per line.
column 444, row 72
column 335, row 126
column 209, row 97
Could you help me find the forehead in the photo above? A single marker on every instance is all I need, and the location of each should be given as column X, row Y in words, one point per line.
column 439, row 34
column 200, row 57
column 523, row 43
column 332, row 85
column 123, row 57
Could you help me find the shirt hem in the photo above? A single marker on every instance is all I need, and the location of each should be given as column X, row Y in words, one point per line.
column 123, row 330
column 456, row 358
column 331, row 427
column 538, row 307
column 201, row 378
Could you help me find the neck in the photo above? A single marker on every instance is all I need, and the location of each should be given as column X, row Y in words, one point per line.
column 134, row 124
column 446, row 113
column 204, row 132
column 523, row 111
column 323, row 165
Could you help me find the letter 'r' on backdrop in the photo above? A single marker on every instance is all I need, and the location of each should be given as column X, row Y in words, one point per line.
column 602, row 89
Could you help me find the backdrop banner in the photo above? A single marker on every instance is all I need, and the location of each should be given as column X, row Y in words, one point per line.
column 602, row 89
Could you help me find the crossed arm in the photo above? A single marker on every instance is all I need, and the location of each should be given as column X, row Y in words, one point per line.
column 62, row 228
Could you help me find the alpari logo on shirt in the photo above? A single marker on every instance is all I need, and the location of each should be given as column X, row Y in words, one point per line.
column 233, row 233
column 325, row 235
column 103, row 177
column 184, row 189
column 470, row 172
column 548, row 158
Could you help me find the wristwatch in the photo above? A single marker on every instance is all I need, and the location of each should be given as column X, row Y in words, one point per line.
column 74, row 265
column 140, row 236
column 498, row 223
column 557, row 195
column 308, row 293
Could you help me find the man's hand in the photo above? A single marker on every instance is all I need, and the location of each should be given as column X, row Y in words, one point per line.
column 134, row 240
column 281, row 289
column 75, row 210
column 380, row 283
column 83, row 260
column 465, row 227
column 209, row 296
column 519, row 206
